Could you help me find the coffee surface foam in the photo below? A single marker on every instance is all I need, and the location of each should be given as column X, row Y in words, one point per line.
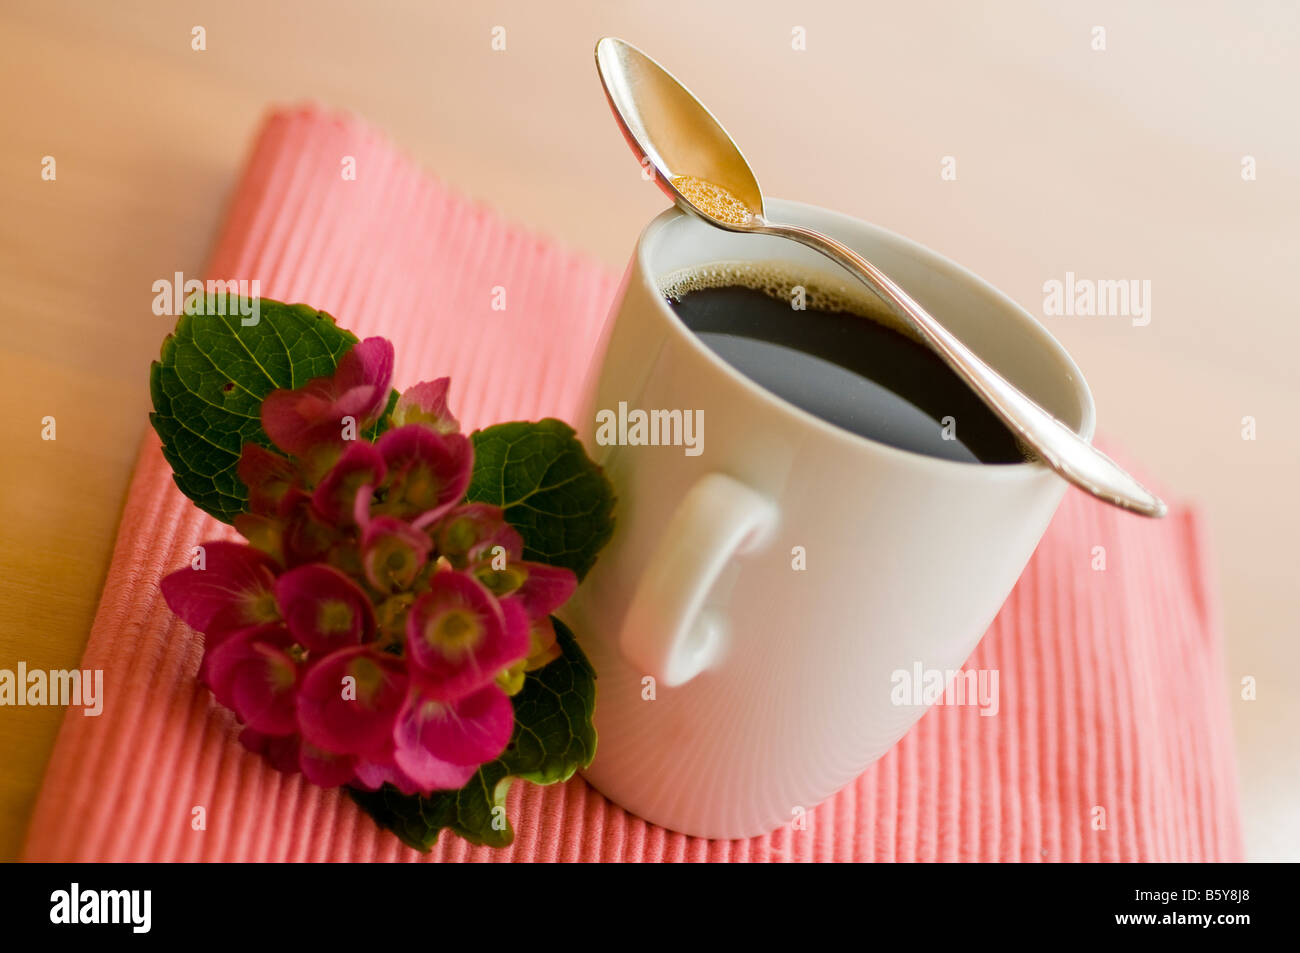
column 779, row 280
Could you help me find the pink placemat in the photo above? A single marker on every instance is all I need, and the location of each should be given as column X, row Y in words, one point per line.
column 1113, row 700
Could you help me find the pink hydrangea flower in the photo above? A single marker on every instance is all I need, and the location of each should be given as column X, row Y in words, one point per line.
column 357, row 473
column 476, row 537
column 436, row 739
column 426, row 404
column 228, row 587
column 282, row 751
column 470, row 533
column 439, row 776
column 253, row 674
column 349, row 701
column 428, row 473
column 268, row 476
column 459, row 636
column 303, row 420
column 323, row 609
column 374, row 625
column 393, row 553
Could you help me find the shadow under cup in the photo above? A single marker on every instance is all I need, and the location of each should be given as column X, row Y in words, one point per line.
column 760, row 597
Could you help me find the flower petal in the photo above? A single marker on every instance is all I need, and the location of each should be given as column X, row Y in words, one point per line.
column 268, row 476
column 264, row 533
column 252, row 674
column 303, row 421
column 471, row 532
column 393, row 553
column 361, row 465
column 232, row 591
column 469, row 731
column 428, row 774
column 545, row 588
column 280, row 750
column 306, row 537
column 373, row 775
column 324, row 769
column 543, row 648
column 428, row 472
column 323, row 608
column 458, row 636
column 426, row 403
column 298, row 420
column 540, row 588
column 368, row 365
column 349, row 701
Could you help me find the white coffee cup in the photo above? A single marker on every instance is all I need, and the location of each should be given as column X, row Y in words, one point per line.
column 736, row 691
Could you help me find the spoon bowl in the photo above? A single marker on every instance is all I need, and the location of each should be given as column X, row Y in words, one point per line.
column 672, row 133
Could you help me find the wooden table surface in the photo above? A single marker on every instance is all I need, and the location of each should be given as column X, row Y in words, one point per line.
column 1123, row 163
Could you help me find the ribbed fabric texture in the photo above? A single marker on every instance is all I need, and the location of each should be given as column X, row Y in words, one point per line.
column 1113, row 739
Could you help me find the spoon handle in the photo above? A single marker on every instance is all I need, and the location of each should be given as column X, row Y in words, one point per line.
column 1060, row 447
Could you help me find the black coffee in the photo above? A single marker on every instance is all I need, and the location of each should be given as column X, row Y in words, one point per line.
column 836, row 359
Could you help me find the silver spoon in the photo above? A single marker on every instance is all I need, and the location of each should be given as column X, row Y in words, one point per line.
column 701, row 169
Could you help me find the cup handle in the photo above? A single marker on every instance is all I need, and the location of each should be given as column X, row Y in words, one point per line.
column 668, row 631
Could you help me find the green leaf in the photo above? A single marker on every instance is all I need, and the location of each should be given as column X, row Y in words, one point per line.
column 551, row 491
column 210, row 380
column 553, row 738
column 385, row 421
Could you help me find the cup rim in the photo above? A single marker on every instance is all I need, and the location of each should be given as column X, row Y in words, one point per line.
column 1026, row 469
